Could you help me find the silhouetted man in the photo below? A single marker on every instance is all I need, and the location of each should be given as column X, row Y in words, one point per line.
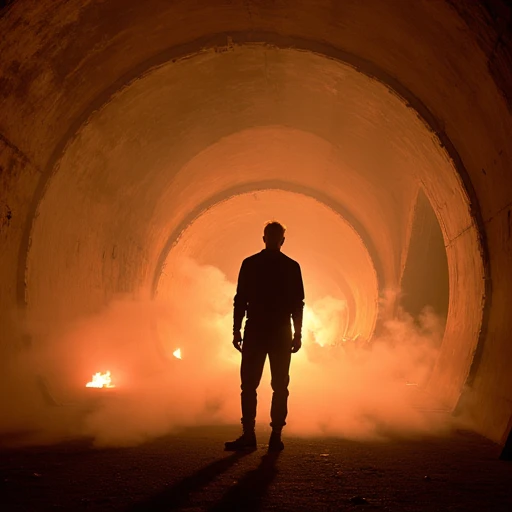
column 271, row 293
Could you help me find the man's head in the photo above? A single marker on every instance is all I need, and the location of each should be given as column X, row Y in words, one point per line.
column 273, row 235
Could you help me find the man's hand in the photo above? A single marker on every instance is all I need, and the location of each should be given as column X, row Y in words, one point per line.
column 296, row 343
column 237, row 341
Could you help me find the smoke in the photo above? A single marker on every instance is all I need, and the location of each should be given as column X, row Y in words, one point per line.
column 340, row 386
column 373, row 390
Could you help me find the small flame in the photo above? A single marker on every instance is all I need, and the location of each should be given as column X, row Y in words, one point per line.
column 177, row 353
column 101, row 380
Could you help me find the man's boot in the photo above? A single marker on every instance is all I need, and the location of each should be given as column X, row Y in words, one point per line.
column 275, row 444
column 246, row 442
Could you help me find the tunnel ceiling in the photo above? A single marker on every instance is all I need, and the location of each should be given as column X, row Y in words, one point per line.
column 93, row 49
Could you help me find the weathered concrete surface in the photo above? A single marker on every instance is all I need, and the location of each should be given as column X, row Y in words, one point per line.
column 189, row 471
column 18, row 181
column 59, row 65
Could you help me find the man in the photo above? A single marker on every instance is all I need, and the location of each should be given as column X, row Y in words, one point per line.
column 270, row 291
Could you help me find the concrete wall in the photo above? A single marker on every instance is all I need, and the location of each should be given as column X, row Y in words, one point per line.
column 101, row 112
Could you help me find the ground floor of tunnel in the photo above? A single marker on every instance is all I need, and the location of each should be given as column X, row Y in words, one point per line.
column 189, row 471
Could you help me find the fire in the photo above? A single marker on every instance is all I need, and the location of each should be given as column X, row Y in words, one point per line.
column 101, row 380
column 177, row 353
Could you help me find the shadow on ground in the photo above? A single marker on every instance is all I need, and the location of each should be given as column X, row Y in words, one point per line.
column 247, row 493
column 189, row 471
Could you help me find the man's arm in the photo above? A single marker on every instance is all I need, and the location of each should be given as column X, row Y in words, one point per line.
column 297, row 310
column 239, row 305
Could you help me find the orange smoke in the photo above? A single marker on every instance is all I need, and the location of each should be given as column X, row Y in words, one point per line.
column 339, row 385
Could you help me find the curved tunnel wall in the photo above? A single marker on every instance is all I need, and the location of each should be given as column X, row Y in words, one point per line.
column 52, row 77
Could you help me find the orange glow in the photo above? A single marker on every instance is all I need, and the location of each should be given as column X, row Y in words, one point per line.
column 325, row 322
column 313, row 327
column 101, row 380
column 340, row 279
column 368, row 379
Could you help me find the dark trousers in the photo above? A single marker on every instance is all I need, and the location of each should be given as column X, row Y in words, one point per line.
column 255, row 348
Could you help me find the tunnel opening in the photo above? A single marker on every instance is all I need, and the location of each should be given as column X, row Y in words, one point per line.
column 425, row 277
column 337, row 267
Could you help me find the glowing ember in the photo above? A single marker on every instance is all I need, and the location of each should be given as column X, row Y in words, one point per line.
column 177, row 353
column 101, row 380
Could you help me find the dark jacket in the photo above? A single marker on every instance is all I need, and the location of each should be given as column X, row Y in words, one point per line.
column 270, row 291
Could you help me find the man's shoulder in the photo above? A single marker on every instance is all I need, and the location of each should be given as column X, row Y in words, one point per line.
column 261, row 256
column 250, row 260
column 290, row 261
column 252, row 257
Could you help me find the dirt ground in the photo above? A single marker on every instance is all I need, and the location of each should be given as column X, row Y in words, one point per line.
column 190, row 471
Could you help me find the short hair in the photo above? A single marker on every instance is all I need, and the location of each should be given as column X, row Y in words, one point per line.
column 274, row 231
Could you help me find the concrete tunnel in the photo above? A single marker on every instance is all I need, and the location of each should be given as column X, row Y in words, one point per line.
column 134, row 133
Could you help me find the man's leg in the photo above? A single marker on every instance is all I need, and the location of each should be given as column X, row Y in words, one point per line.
column 251, row 370
column 279, row 357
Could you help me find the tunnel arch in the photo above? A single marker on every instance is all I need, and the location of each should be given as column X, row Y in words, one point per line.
column 226, row 195
column 223, row 42
column 376, row 185
column 417, row 30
